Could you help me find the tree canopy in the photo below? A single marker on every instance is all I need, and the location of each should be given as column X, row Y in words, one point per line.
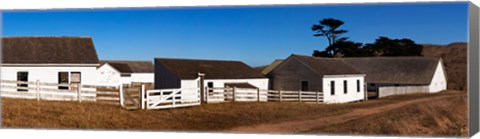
column 343, row 47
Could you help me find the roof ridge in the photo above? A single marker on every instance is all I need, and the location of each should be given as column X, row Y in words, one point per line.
column 197, row 59
column 45, row 36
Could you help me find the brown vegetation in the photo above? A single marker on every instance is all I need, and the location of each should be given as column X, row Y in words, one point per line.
column 212, row 117
column 454, row 56
column 444, row 117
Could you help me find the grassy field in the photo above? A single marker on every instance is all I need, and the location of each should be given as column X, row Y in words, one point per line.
column 18, row 113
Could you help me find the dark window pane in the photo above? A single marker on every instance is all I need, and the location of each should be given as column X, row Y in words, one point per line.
column 304, row 86
column 63, row 79
column 332, row 87
column 22, row 76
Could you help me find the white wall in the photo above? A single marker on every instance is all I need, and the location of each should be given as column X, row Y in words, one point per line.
column 439, row 80
column 48, row 74
column 260, row 83
column 340, row 97
column 143, row 77
column 108, row 76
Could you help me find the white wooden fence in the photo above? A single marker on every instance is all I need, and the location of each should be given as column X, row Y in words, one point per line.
column 170, row 98
column 234, row 94
column 399, row 90
column 250, row 95
column 296, row 96
column 53, row 91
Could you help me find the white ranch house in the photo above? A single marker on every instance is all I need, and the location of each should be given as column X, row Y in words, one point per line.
column 65, row 60
column 188, row 73
column 338, row 81
column 115, row 73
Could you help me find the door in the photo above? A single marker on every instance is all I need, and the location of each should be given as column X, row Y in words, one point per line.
column 22, row 76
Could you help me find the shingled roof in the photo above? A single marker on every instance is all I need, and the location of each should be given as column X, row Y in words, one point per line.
column 125, row 66
column 327, row 66
column 407, row 70
column 48, row 50
column 213, row 69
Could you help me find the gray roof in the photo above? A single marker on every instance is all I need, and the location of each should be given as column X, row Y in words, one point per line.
column 125, row 66
column 48, row 50
column 327, row 66
column 213, row 69
column 407, row 70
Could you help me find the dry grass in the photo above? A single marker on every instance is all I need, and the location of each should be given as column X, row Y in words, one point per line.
column 444, row 117
column 212, row 117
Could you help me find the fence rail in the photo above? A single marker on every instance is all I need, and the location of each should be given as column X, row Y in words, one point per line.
column 60, row 92
column 251, row 94
column 398, row 90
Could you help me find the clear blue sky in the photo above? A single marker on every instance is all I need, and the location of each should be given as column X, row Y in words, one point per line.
column 256, row 35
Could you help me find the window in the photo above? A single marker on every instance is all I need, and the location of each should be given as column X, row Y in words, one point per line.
column 332, row 87
column 210, row 85
column 63, row 79
column 304, row 86
column 75, row 77
column 345, row 86
column 22, row 76
column 358, row 86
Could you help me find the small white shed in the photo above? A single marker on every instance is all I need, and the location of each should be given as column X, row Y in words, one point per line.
column 115, row 72
column 184, row 73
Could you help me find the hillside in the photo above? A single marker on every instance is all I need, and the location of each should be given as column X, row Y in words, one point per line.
column 454, row 56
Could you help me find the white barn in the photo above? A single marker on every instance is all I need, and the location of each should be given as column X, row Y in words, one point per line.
column 400, row 75
column 338, row 81
column 116, row 73
column 184, row 73
column 63, row 60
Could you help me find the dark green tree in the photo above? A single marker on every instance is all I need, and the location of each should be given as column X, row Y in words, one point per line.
column 329, row 28
column 384, row 46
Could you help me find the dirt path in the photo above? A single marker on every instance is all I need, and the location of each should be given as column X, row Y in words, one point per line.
column 305, row 125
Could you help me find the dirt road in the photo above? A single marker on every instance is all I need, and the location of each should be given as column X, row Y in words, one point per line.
column 306, row 125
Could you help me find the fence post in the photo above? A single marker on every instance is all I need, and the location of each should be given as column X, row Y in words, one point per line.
column 234, row 94
column 280, row 94
column 258, row 94
column 142, row 96
column 316, row 98
column 37, row 89
column 79, row 92
column 120, row 91
column 207, row 92
column 299, row 96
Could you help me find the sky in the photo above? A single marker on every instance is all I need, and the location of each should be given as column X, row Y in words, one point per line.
column 256, row 35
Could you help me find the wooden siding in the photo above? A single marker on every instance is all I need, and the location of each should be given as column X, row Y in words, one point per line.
column 289, row 74
column 164, row 78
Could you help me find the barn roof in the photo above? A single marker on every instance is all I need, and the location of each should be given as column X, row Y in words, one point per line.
column 327, row 66
column 408, row 70
column 265, row 70
column 48, row 50
column 213, row 69
column 125, row 66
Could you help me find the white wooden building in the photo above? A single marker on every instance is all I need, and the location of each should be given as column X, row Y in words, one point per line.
column 65, row 60
column 338, row 81
column 116, row 72
column 188, row 73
